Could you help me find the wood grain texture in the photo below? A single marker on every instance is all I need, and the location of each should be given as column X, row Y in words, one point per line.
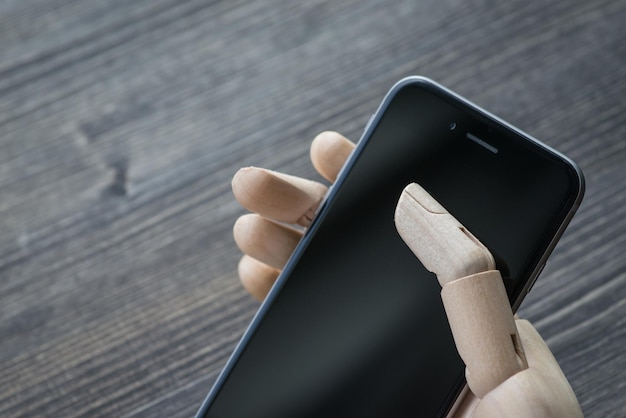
column 121, row 124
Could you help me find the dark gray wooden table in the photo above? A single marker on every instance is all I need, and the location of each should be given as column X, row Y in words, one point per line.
column 122, row 122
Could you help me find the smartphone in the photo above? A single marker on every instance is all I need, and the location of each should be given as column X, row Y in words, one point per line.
column 354, row 326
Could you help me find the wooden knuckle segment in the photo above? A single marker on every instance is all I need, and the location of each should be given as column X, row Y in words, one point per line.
column 484, row 330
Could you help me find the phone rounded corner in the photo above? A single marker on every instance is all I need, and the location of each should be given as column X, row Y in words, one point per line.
column 413, row 80
column 578, row 180
column 582, row 182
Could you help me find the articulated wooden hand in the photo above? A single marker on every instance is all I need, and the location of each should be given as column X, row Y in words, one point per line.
column 276, row 199
column 509, row 368
column 531, row 386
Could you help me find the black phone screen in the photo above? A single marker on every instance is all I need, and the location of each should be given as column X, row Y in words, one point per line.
column 356, row 326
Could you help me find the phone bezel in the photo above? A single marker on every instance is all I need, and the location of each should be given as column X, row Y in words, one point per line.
column 449, row 95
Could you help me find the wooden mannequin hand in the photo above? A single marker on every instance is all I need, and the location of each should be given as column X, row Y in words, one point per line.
column 540, row 391
column 277, row 199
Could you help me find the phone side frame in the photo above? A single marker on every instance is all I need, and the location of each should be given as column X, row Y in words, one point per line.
column 300, row 248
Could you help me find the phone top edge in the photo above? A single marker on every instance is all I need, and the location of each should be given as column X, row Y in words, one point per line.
column 441, row 90
column 437, row 88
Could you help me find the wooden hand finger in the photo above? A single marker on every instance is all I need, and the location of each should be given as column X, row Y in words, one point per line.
column 257, row 278
column 269, row 242
column 329, row 152
column 278, row 196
